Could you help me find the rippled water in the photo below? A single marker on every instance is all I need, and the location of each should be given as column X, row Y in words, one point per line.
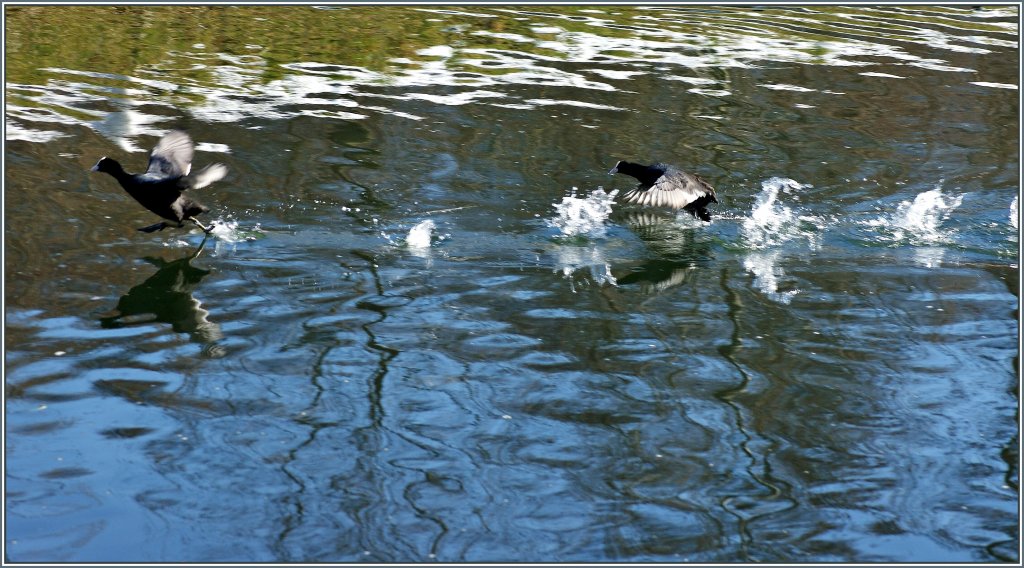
column 424, row 330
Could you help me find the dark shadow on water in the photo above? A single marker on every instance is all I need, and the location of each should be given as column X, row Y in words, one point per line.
column 166, row 297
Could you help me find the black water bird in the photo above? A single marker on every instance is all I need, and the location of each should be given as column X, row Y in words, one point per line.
column 668, row 186
column 160, row 188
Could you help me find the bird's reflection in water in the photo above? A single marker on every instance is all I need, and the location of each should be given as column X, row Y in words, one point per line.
column 167, row 297
column 656, row 276
column 678, row 253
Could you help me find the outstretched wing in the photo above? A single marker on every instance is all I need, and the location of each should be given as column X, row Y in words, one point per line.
column 675, row 189
column 205, row 176
column 172, row 156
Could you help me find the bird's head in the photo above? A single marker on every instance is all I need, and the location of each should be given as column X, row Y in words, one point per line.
column 628, row 168
column 107, row 166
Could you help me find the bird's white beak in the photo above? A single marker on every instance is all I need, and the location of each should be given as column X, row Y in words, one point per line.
column 96, row 166
column 614, row 170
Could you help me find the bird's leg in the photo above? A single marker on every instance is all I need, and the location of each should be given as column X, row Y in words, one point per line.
column 200, row 249
column 201, row 226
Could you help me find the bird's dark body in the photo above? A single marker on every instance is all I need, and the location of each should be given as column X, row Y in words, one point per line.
column 160, row 188
column 665, row 185
column 160, row 195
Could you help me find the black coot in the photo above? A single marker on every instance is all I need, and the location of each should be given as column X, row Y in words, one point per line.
column 159, row 189
column 665, row 185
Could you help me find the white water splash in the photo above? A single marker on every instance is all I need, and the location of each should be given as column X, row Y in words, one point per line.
column 920, row 221
column 1013, row 213
column 227, row 234
column 922, row 217
column 419, row 236
column 221, row 230
column 770, row 222
column 226, row 230
column 584, row 216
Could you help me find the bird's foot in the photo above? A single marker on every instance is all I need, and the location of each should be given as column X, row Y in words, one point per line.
column 205, row 229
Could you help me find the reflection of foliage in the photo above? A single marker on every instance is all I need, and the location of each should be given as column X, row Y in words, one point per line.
column 120, row 39
column 179, row 40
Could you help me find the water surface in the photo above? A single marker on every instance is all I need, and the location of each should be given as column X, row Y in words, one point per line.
column 424, row 330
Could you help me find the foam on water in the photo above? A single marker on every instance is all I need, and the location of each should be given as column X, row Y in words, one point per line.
column 920, row 221
column 583, row 216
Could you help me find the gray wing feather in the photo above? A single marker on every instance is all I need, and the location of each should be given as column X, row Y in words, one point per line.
column 675, row 189
column 172, row 156
column 207, row 175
